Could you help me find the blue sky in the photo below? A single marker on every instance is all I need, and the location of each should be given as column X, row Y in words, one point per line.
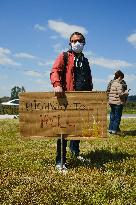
column 34, row 32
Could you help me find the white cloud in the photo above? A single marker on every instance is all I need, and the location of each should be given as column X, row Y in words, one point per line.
column 5, row 59
column 99, row 84
column 131, row 77
column 24, row 55
column 57, row 48
column 64, row 29
column 89, row 54
column 4, row 51
column 132, row 39
column 47, row 63
column 33, row 73
column 41, row 81
column 109, row 63
column 110, row 77
column 40, row 85
column 38, row 27
column 127, row 78
column 99, row 80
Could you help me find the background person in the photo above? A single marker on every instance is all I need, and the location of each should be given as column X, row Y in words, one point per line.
column 117, row 94
column 71, row 72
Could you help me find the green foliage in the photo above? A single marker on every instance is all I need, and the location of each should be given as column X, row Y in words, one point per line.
column 10, row 110
column 4, row 99
column 28, row 175
column 15, row 92
column 130, row 107
column 132, row 98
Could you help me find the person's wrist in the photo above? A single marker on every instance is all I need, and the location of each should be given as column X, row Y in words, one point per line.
column 58, row 89
column 56, row 84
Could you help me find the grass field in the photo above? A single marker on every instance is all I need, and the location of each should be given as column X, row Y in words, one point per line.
column 28, row 176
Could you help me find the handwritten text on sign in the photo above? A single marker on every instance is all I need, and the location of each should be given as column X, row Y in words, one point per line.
column 78, row 114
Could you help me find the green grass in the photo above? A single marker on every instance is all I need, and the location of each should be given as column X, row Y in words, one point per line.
column 129, row 111
column 28, row 176
column 125, row 111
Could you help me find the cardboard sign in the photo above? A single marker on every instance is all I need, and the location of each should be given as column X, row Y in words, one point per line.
column 77, row 114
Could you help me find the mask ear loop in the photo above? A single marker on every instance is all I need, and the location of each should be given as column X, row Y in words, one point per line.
column 84, row 43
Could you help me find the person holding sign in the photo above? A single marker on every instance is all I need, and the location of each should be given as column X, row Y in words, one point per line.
column 71, row 72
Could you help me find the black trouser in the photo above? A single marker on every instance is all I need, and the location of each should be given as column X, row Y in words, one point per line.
column 58, row 154
column 74, row 148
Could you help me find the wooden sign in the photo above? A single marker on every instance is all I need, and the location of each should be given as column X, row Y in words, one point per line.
column 77, row 114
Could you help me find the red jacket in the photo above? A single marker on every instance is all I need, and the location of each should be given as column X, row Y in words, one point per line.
column 57, row 70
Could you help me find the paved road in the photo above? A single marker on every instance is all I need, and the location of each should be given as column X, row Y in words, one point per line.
column 128, row 116
column 14, row 116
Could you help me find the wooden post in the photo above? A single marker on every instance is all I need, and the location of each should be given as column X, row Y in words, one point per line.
column 62, row 151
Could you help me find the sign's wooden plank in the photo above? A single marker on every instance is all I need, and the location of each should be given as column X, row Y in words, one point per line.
column 77, row 115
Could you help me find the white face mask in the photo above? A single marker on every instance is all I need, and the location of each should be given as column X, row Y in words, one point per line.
column 77, row 47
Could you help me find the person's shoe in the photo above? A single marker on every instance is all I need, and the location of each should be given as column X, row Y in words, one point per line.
column 58, row 167
column 113, row 132
column 65, row 168
column 82, row 159
column 61, row 169
column 110, row 131
column 116, row 132
column 77, row 156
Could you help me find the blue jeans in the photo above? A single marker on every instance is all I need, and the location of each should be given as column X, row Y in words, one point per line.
column 115, row 117
column 74, row 148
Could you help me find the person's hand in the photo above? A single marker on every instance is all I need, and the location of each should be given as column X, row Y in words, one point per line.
column 126, row 92
column 58, row 91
